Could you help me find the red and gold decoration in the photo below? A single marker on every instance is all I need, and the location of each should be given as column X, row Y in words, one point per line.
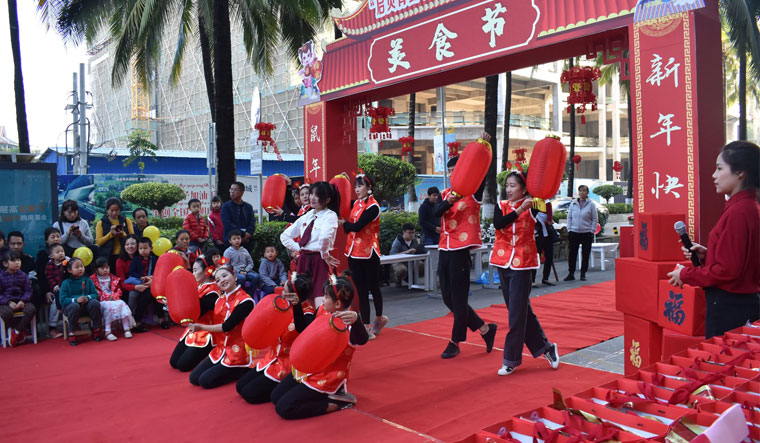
column 471, row 168
column 407, row 147
column 343, row 184
column 617, row 167
column 547, row 165
column 520, row 154
column 508, row 165
column 454, row 148
column 577, row 161
column 581, row 88
column 270, row 318
column 273, row 192
column 182, row 300
column 165, row 264
column 379, row 126
column 265, row 137
column 320, row 344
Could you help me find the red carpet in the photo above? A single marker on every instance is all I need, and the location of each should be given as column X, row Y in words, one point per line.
column 574, row 319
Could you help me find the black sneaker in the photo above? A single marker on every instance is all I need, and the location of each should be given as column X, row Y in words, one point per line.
column 451, row 351
column 140, row 328
column 552, row 355
column 73, row 340
column 570, row 277
column 489, row 336
column 547, row 283
column 164, row 325
column 583, row 277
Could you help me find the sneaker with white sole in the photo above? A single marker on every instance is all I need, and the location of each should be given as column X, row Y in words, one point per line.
column 506, row 370
column 127, row 334
column 552, row 356
column 379, row 324
column 110, row 337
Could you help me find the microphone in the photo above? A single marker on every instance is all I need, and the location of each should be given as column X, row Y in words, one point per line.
column 680, row 228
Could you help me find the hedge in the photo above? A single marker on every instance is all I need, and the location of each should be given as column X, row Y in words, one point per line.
column 602, row 217
column 619, row 208
column 390, row 227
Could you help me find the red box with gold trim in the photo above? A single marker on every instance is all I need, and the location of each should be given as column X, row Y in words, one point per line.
column 637, row 285
column 674, row 342
column 643, row 343
column 681, row 309
column 657, row 240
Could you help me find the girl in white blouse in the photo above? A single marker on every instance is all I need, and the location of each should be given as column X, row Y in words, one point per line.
column 316, row 229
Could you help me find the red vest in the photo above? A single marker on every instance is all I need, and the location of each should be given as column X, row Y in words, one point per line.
column 276, row 365
column 230, row 347
column 361, row 244
column 335, row 375
column 460, row 225
column 515, row 246
column 201, row 339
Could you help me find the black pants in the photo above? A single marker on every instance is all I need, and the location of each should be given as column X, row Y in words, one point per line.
column 255, row 387
column 293, row 400
column 583, row 240
column 139, row 302
column 524, row 328
column 185, row 358
column 546, row 245
column 366, row 276
column 454, row 275
column 727, row 310
column 72, row 311
column 211, row 375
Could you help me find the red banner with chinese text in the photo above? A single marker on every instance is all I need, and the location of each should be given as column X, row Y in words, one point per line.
column 314, row 141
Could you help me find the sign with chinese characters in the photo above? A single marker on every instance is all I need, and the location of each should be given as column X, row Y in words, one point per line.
column 459, row 37
column 384, row 7
column 29, row 203
column 314, row 140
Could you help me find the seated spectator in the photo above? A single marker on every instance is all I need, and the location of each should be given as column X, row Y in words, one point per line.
column 112, row 230
column 241, row 262
column 78, row 296
column 140, row 216
column 75, row 231
column 52, row 237
column 182, row 246
column 431, row 225
column 238, row 215
column 271, row 270
column 141, row 273
column 15, row 296
column 196, row 226
column 405, row 243
column 215, row 226
column 214, row 255
column 28, row 265
column 55, row 274
column 112, row 306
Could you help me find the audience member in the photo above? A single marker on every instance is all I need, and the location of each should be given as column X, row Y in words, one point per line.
column 405, row 243
column 75, row 231
column 112, row 306
column 112, row 230
column 78, row 296
column 581, row 224
column 196, row 225
column 15, row 296
column 140, row 216
column 431, row 225
column 545, row 235
column 215, row 225
column 55, row 273
column 271, row 270
column 28, row 265
column 52, row 237
column 238, row 215
column 241, row 262
column 141, row 271
column 214, row 255
column 182, row 246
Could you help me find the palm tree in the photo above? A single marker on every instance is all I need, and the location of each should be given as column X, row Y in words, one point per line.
column 491, row 114
column 507, row 118
column 18, row 80
column 412, row 117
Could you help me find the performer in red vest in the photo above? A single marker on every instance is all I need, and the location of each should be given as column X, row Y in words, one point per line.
column 193, row 347
column 460, row 232
column 515, row 254
column 230, row 357
column 363, row 252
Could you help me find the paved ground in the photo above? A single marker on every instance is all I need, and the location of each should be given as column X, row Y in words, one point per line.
column 404, row 306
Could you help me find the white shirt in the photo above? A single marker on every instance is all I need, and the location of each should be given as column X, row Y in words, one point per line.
column 322, row 233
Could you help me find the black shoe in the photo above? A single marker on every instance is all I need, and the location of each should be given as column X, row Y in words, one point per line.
column 547, row 282
column 451, row 351
column 73, row 341
column 570, row 277
column 164, row 325
column 489, row 336
column 583, row 277
column 140, row 328
column 96, row 335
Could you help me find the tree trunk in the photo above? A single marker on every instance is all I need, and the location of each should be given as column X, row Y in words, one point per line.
column 742, row 95
column 225, row 109
column 18, row 80
column 507, row 118
column 208, row 69
column 571, row 173
column 629, row 193
column 412, row 115
column 491, row 113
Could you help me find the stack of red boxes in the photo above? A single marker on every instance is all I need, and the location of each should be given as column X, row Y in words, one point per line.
column 637, row 292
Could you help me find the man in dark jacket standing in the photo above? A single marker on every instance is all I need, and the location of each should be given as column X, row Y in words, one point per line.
column 431, row 229
column 237, row 214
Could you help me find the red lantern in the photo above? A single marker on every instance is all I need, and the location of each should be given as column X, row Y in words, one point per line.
column 581, row 88
column 520, row 154
column 406, row 146
column 343, row 185
column 379, row 126
column 273, row 193
column 471, row 168
column 577, row 161
column 165, row 264
column 319, row 344
column 265, row 136
column 453, row 148
column 617, row 167
column 182, row 300
column 269, row 320
column 547, row 164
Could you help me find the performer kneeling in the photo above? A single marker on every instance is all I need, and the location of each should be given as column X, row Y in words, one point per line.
column 230, row 358
column 257, row 384
column 302, row 395
column 194, row 346
column 515, row 254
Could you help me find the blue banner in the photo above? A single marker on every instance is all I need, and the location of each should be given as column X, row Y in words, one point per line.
column 28, row 202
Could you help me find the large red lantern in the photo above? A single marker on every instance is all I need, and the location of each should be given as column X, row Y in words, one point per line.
column 581, row 88
column 319, row 344
column 165, row 264
column 453, row 148
column 343, row 184
column 547, row 165
column 182, row 300
column 471, row 168
column 406, row 146
column 577, row 161
column 269, row 320
column 273, row 192
column 379, row 125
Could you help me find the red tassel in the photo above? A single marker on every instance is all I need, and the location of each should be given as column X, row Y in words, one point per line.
column 583, row 119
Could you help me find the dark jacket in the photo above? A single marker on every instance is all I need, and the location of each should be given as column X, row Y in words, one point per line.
column 136, row 268
column 429, row 222
column 399, row 245
column 240, row 217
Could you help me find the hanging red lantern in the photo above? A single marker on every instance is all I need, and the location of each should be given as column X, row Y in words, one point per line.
column 577, row 161
column 269, row 320
column 265, row 136
column 453, row 148
column 182, row 300
column 471, row 168
column 320, row 344
column 617, row 167
column 165, row 264
column 581, row 88
column 547, row 164
column 379, row 125
column 273, row 192
column 520, row 154
column 406, row 146
column 343, row 184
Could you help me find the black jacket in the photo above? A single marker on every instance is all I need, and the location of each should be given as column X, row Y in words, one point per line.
column 428, row 221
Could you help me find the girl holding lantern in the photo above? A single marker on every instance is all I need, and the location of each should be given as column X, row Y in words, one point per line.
column 230, row 358
column 256, row 385
column 312, row 236
column 363, row 251
column 515, row 254
column 460, row 232
column 194, row 346
column 301, row 395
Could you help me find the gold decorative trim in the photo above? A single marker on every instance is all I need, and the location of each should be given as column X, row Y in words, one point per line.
column 587, row 22
column 691, row 178
column 350, row 85
column 639, row 124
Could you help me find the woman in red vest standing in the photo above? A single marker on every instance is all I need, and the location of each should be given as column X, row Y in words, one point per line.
column 460, row 232
column 363, row 252
column 515, row 254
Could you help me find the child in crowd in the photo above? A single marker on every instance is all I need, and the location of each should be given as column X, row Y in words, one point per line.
column 271, row 270
column 241, row 261
column 216, row 228
column 112, row 306
column 214, row 255
column 74, row 230
column 52, row 237
column 302, row 395
column 140, row 216
column 15, row 296
column 141, row 269
column 55, row 273
column 78, row 296
column 196, row 225
column 182, row 245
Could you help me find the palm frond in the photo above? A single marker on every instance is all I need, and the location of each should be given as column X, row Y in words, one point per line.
column 185, row 29
column 741, row 17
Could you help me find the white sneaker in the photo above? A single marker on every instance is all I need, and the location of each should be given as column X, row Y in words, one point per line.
column 127, row 334
column 110, row 337
column 369, row 332
column 506, row 370
column 552, row 356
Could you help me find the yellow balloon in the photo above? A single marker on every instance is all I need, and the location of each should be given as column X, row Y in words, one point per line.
column 85, row 254
column 161, row 245
column 152, row 233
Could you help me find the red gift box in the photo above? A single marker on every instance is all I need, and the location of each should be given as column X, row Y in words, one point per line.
column 681, row 309
column 693, row 374
column 673, row 342
column 657, row 240
column 626, row 242
column 652, row 392
column 637, row 285
column 643, row 343
column 546, row 413
column 710, row 392
column 744, row 359
column 500, row 432
column 708, row 366
column 643, row 427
